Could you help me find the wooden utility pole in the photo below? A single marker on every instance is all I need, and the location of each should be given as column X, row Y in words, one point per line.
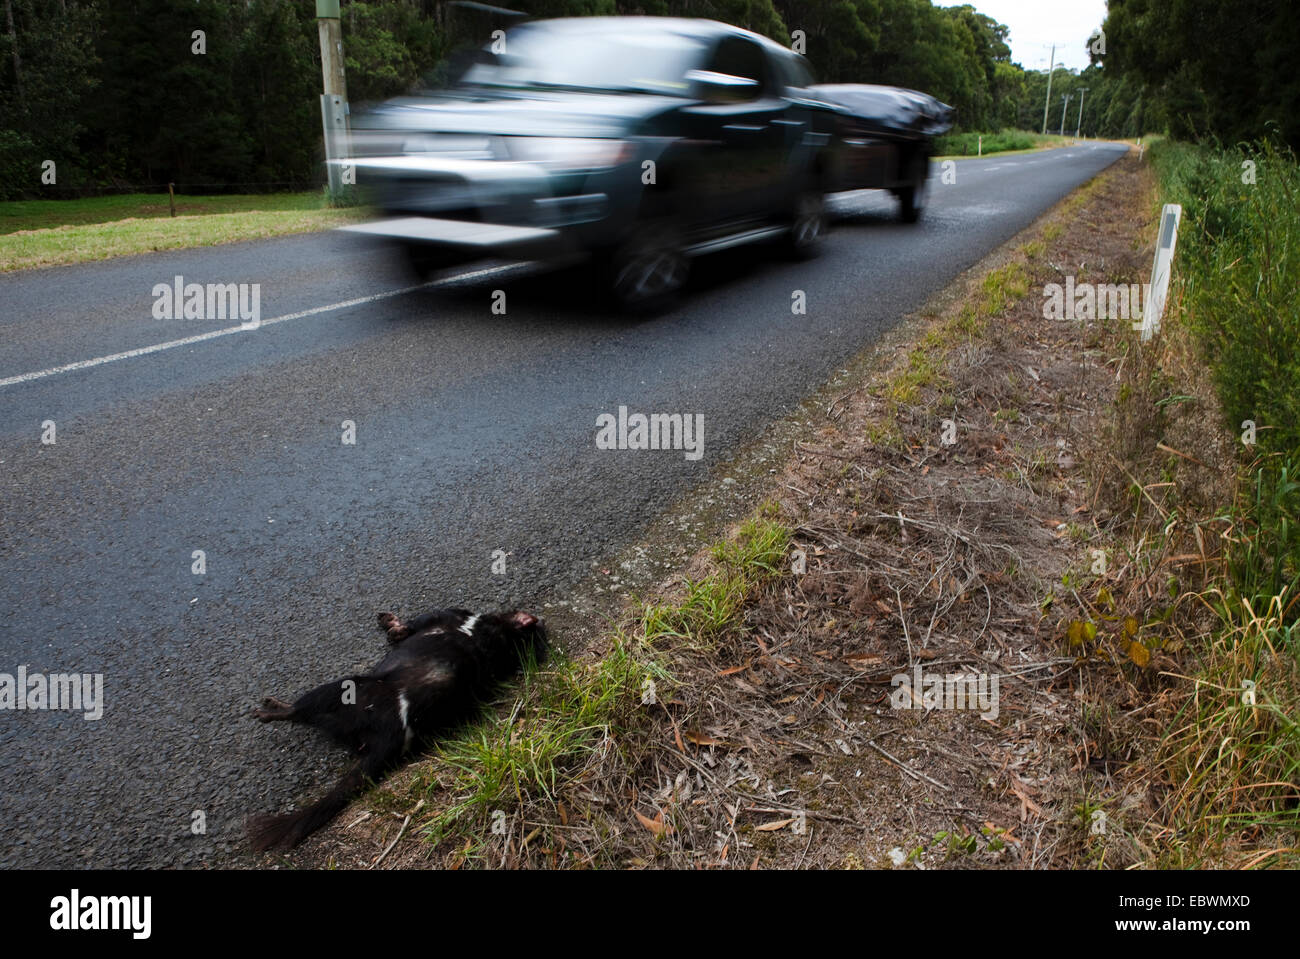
column 1047, row 100
column 13, row 46
column 334, row 101
column 331, row 47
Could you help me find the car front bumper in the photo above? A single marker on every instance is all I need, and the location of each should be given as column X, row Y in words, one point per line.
column 483, row 205
column 427, row 229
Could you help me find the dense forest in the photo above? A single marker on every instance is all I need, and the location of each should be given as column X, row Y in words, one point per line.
column 123, row 94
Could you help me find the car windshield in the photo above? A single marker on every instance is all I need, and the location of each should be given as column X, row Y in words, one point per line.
column 604, row 60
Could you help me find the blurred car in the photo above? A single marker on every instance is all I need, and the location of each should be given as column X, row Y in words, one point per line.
column 886, row 135
column 642, row 140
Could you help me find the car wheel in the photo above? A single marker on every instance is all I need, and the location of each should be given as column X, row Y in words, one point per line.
column 647, row 270
column 808, row 224
column 911, row 200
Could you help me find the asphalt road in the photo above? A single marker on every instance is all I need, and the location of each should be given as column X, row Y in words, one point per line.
column 475, row 432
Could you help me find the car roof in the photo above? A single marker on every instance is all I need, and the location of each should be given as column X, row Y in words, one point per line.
column 686, row 26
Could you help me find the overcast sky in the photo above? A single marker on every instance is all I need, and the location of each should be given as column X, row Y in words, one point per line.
column 1037, row 24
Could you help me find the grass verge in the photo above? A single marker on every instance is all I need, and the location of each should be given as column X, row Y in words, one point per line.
column 38, row 233
column 1004, row 141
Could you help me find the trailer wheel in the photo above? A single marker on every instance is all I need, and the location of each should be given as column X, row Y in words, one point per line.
column 911, row 199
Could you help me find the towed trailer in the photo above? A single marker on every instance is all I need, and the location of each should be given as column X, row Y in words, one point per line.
column 885, row 138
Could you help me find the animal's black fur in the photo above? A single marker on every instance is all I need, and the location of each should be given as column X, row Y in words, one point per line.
column 440, row 668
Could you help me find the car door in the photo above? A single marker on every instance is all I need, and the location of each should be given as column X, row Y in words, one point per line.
column 805, row 135
column 748, row 139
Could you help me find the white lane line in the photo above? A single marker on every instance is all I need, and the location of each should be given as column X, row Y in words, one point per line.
column 231, row 330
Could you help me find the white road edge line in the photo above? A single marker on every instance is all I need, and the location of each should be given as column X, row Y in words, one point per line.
column 230, row 330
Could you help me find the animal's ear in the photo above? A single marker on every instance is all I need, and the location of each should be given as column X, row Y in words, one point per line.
column 523, row 620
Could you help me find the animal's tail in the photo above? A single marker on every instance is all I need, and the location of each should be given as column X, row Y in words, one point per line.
column 285, row 832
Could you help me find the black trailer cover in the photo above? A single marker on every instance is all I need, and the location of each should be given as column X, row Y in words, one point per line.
column 894, row 109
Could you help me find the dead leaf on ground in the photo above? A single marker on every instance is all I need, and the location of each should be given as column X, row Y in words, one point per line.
column 657, row 825
column 700, row 739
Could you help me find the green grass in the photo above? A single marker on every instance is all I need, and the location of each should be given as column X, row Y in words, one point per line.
column 566, row 712
column 48, row 214
column 1238, row 258
column 36, row 233
column 1005, row 141
column 1237, row 272
column 712, row 604
column 1002, row 288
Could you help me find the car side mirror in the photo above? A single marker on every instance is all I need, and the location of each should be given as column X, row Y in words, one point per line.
column 714, row 87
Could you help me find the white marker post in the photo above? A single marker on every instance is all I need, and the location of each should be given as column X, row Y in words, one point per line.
column 1158, row 289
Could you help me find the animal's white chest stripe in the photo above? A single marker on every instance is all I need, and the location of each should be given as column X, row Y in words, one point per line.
column 403, row 707
column 467, row 627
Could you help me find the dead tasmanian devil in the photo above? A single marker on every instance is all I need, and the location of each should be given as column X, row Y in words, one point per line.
column 439, row 670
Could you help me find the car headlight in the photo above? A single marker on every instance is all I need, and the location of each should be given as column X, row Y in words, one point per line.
column 569, row 153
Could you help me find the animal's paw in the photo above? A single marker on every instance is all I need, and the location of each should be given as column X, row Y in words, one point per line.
column 394, row 627
column 272, row 709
